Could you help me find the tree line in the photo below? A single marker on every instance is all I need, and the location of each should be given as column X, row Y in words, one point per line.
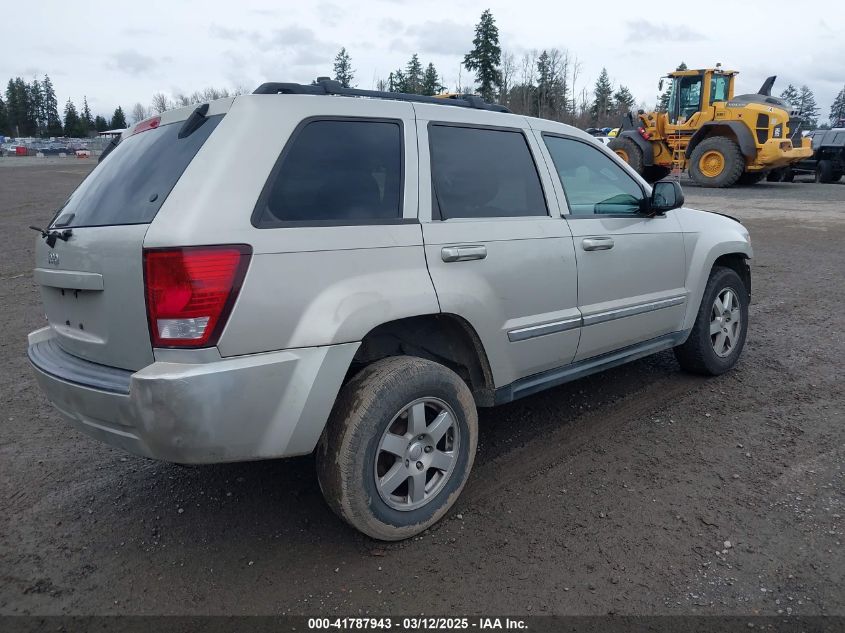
column 545, row 84
column 32, row 109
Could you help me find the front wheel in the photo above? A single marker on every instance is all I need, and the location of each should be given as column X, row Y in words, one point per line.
column 398, row 447
column 718, row 334
column 716, row 162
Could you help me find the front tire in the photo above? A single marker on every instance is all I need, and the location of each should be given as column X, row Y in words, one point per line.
column 718, row 335
column 716, row 162
column 398, row 447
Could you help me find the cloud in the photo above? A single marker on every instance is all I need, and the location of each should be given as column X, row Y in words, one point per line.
column 131, row 62
column 643, row 30
column 230, row 34
column 443, row 37
column 330, row 14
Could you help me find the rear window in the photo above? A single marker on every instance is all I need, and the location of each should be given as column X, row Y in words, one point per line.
column 134, row 180
column 336, row 172
column 483, row 173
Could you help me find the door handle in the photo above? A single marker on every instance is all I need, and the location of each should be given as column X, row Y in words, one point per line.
column 597, row 244
column 463, row 253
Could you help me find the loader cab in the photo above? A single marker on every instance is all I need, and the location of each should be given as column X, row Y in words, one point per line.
column 693, row 91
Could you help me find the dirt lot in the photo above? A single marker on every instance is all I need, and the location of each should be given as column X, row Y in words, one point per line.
column 615, row 493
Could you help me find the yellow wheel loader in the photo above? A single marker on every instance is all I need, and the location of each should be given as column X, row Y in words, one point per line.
column 719, row 138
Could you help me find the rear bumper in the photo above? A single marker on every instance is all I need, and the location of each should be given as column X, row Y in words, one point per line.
column 259, row 406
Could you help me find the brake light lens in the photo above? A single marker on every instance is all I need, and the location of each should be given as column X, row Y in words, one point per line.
column 643, row 133
column 190, row 292
column 148, row 124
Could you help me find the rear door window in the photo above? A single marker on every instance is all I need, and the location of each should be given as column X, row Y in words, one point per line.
column 133, row 181
column 483, row 173
column 336, row 171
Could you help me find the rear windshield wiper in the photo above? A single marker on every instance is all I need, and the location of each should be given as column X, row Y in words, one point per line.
column 52, row 236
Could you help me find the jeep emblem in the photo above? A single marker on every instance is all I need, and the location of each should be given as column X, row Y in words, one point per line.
column 53, row 258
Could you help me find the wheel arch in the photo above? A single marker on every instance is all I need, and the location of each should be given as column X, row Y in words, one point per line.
column 444, row 338
column 730, row 251
column 731, row 129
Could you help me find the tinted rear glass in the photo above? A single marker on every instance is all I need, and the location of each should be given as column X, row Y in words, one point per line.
column 336, row 172
column 483, row 173
column 134, row 180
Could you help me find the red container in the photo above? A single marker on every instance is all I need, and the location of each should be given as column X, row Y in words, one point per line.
column 20, row 150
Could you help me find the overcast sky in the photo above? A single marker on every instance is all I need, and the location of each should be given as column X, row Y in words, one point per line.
column 121, row 53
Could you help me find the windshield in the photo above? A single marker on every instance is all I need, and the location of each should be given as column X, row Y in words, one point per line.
column 133, row 181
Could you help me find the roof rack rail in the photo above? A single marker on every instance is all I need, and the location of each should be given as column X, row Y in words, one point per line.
column 326, row 86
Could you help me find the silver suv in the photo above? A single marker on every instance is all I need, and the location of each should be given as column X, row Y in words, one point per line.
column 313, row 268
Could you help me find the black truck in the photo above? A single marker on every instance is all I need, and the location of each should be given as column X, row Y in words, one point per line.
column 827, row 163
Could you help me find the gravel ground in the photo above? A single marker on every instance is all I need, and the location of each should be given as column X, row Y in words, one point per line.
column 642, row 490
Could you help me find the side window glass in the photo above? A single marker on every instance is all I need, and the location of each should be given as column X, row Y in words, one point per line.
column 337, row 171
column 483, row 173
column 718, row 89
column 593, row 183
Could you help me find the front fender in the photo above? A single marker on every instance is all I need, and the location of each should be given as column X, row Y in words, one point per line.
column 707, row 237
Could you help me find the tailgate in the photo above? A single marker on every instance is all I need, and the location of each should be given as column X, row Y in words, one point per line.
column 92, row 287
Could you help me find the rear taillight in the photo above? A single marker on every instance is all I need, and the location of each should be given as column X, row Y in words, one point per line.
column 644, row 133
column 190, row 292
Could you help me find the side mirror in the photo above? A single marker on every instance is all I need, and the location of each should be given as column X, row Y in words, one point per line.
column 665, row 196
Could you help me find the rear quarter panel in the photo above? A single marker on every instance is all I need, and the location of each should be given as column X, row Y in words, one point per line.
column 306, row 285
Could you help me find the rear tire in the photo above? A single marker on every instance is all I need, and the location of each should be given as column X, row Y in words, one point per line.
column 385, row 421
column 825, row 172
column 716, row 162
column 706, row 350
column 628, row 151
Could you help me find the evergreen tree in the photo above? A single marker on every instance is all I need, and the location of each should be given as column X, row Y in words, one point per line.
column 431, row 81
column 790, row 95
column 71, row 119
column 485, row 57
column 4, row 119
column 36, row 105
column 663, row 104
column 396, row 81
column 343, row 71
column 544, row 85
column 118, row 119
column 86, row 121
column 414, row 76
column 809, row 109
column 100, row 124
column 602, row 98
column 837, row 110
column 11, row 108
column 22, row 120
column 51, row 108
column 623, row 100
